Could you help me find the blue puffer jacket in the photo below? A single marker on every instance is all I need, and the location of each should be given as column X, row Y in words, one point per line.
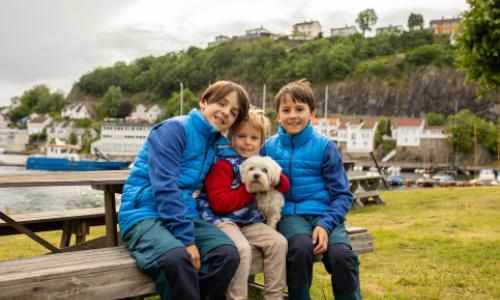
column 168, row 171
column 318, row 183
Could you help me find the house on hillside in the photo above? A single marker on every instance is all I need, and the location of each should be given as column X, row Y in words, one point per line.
column 62, row 131
column 445, row 26
column 146, row 113
column 121, row 138
column 407, row 131
column 4, row 121
column 14, row 140
column 77, row 110
column 306, row 30
column 37, row 123
column 219, row 40
column 257, row 32
column 351, row 133
column 391, row 29
column 343, row 31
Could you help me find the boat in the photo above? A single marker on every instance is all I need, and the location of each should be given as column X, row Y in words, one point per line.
column 394, row 178
column 64, row 158
column 486, row 177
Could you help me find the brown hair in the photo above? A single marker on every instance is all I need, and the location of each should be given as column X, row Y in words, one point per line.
column 256, row 119
column 220, row 89
column 299, row 91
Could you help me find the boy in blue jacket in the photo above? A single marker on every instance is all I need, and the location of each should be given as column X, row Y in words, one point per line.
column 187, row 258
column 318, row 199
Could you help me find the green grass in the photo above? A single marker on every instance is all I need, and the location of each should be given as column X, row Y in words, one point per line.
column 441, row 243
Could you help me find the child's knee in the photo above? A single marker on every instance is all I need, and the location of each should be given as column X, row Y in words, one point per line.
column 175, row 259
column 300, row 246
column 280, row 244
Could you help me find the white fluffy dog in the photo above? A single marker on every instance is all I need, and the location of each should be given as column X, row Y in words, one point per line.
column 260, row 174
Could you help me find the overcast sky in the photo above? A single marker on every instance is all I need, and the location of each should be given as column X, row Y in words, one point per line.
column 56, row 41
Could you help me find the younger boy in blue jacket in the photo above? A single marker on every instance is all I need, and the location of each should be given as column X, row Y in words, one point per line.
column 317, row 201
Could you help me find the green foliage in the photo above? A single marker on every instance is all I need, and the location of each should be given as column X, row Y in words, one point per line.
column 366, row 19
column 435, row 119
column 73, row 140
column 468, row 129
column 479, row 42
column 82, row 123
column 383, row 128
column 39, row 99
column 190, row 101
column 113, row 104
column 415, row 20
column 430, row 54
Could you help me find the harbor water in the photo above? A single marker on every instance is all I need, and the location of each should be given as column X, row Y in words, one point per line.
column 35, row 199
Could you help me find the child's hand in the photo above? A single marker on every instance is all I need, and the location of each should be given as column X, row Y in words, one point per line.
column 320, row 240
column 195, row 256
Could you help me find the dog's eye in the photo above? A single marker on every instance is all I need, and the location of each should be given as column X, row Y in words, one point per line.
column 251, row 168
column 264, row 170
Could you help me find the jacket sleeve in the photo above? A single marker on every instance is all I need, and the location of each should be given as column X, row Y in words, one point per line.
column 337, row 185
column 284, row 184
column 224, row 199
column 166, row 144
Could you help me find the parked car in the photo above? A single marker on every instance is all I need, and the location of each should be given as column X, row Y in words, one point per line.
column 486, row 176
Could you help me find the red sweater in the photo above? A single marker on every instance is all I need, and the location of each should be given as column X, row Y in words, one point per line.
column 222, row 198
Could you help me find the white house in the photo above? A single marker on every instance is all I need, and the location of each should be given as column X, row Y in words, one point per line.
column 13, row 139
column 257, row 32
column 354, row 134
column 76, row 111
column 219, row 40
column 434, row 132
column 37, row 123
column 343, row 31
column 144, row 113
column 407, row 131
column 361, row 135
column 306, row 30
column 391, row 29
column 4, row 121
column 120, row 138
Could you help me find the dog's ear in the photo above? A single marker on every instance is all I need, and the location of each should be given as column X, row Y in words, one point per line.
column 274, row 170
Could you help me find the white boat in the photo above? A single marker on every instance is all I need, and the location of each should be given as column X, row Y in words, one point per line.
column 486, row 176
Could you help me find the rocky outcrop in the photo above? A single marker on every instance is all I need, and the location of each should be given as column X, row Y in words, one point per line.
column 429, row 89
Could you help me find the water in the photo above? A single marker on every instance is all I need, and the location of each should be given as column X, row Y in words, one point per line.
column 57, row 198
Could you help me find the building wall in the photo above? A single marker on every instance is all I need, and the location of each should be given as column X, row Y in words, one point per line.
column 121, row 139
column 13, row 139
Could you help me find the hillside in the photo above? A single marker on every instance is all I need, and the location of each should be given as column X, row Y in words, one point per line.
column 407, row 74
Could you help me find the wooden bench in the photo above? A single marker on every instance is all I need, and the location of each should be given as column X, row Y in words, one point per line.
column 107, row 273
column 71, row 222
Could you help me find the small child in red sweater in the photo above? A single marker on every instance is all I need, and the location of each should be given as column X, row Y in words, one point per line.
column 234, row 211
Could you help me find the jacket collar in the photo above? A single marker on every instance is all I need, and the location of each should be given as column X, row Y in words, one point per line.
column 296, row 139
column 202, row 125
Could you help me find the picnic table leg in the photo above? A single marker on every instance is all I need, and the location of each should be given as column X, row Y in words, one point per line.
column 110, row 217
column 28, row 232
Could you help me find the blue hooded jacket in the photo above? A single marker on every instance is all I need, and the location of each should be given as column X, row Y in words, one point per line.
column 318, row 182
column 167, row 175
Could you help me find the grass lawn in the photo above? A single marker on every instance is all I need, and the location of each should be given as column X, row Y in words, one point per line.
column 441, row 243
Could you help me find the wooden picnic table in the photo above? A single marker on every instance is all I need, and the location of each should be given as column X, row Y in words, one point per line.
column 110, row 182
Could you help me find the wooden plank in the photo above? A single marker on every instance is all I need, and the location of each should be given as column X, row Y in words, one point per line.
column 54, row 220
column 63, row 178
column 29, row 233
column 110, row 215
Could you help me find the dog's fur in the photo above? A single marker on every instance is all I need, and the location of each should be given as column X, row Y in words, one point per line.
column 260, row 174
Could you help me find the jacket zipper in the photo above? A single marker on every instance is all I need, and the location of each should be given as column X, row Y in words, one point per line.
column 291, row 175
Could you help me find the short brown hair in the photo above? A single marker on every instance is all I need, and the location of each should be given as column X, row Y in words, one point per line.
column 220, row 89
column 256, row 119
column 299, row 91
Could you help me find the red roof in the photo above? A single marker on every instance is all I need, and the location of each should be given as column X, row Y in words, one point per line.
column 408, row 122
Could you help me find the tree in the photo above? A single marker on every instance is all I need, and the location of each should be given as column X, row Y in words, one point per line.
column 73, row 139
column 415, row 20
column 479, row 43
column 435, row 119
column 111, row 101
column 190, row 101
column 366, row 19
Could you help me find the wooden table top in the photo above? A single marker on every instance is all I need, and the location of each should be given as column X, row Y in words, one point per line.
column 64, row 178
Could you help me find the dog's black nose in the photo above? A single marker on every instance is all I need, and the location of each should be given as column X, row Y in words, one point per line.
column 256, row 176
